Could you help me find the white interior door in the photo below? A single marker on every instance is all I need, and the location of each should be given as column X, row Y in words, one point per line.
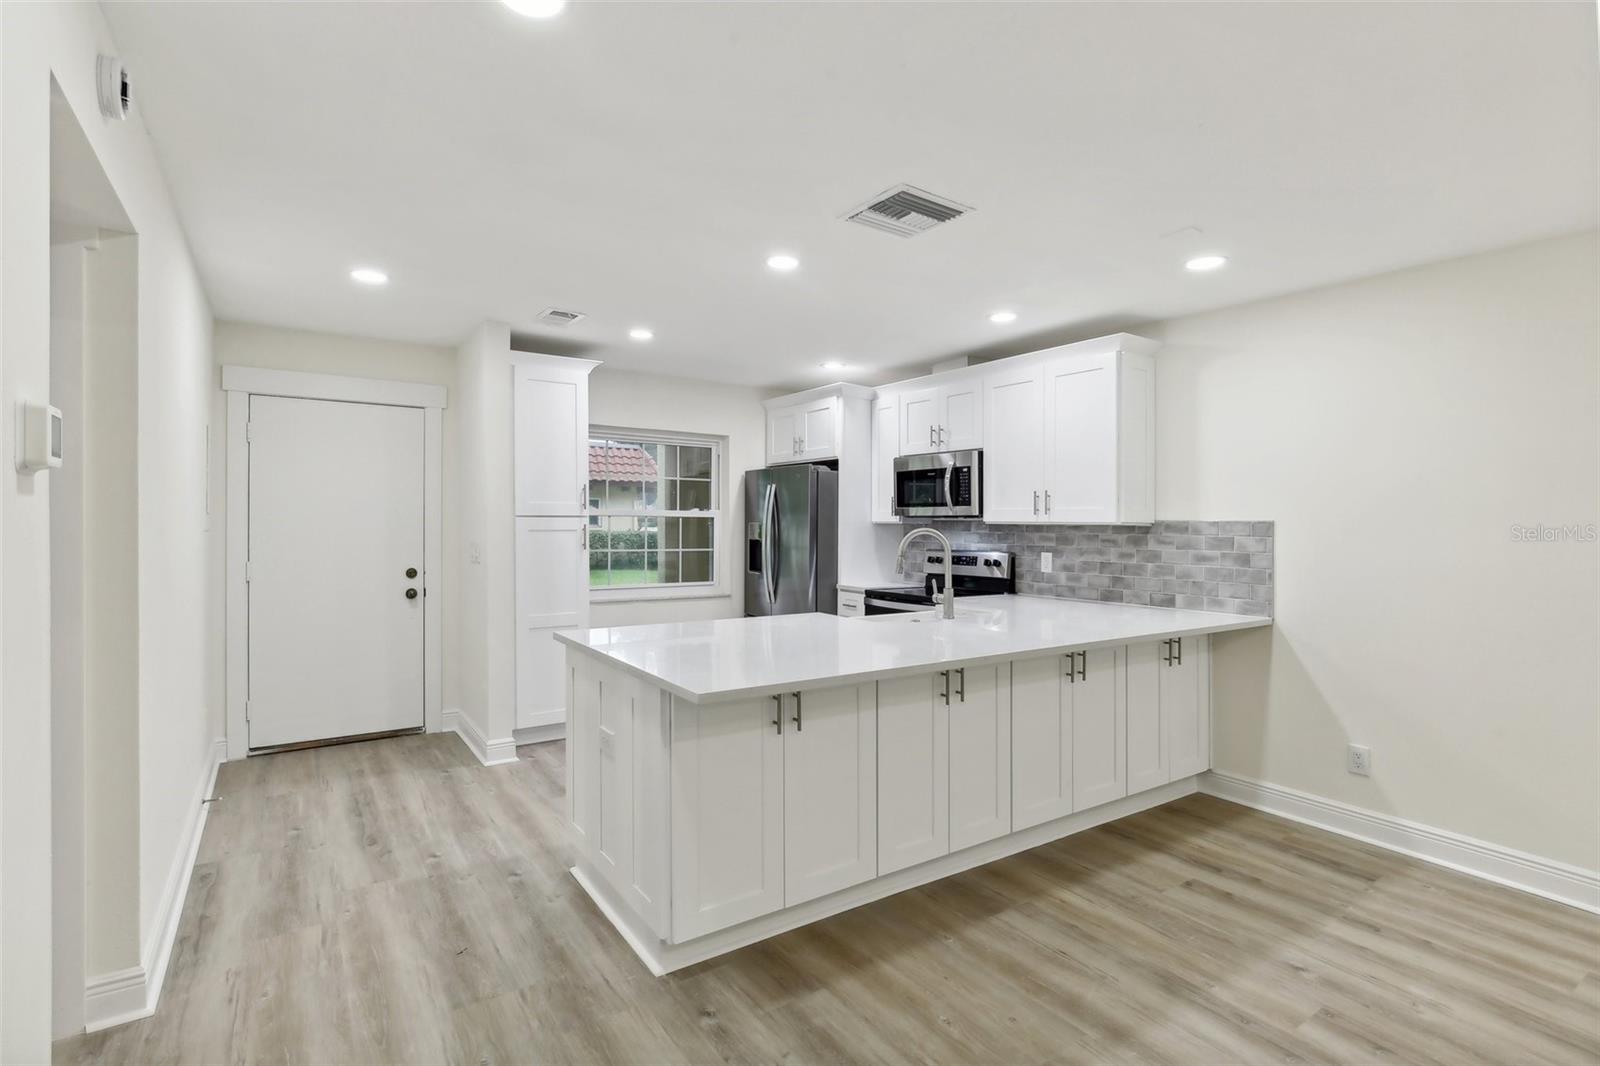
column 336, row 520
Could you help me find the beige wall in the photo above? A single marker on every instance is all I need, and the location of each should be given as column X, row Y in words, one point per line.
column 272, row 347
column 1396, row 429
column 644, row 401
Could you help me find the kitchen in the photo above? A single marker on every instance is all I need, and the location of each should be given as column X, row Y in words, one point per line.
column 1012, row 547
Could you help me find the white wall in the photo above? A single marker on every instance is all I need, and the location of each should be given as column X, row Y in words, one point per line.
column 486, row 633
column 275, row 348
column 627, row 400
column 36, row 42
column 1396, row 429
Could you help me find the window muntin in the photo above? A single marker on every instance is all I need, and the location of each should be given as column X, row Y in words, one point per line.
column 655, row 508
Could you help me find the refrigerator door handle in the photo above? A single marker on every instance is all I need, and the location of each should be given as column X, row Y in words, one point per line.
column 769, row 558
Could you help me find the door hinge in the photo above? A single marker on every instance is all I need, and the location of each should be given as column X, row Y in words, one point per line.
column 249, row 571
column 249, row 431
column 247, row 710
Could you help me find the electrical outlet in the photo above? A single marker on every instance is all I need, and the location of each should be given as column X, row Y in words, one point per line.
column 1358, row 759
column 1044, row 562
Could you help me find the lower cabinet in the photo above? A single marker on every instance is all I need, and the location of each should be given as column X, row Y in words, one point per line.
column 1067, row 734
column 980, row 754
column 1169, row 711
column 830, row 790
column 727, row 814
column 913, row 770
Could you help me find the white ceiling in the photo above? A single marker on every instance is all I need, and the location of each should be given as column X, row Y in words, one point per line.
column 638, row 162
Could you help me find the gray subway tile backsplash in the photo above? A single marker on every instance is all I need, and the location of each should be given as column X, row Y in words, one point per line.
column 1208, row 566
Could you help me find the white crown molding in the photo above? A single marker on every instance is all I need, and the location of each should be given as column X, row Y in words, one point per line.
column 489, row 752
column 1558, row 881
column 132, row 993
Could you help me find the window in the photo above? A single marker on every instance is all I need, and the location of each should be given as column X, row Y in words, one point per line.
column 656, row 501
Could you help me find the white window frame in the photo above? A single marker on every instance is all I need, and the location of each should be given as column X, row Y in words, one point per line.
column 720, row 537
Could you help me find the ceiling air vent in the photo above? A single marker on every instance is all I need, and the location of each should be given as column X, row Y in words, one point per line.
column 906, row 211
column 554, row 316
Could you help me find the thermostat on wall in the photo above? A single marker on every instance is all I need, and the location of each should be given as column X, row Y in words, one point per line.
column 41, row 438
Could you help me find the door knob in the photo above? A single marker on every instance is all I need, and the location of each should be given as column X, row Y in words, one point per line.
column 411, row 594
column 411, row 571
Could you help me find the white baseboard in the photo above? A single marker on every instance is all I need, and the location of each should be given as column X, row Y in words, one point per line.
column 130, row 994
column 539, row 734
column 489, row 752
column 1572, row 885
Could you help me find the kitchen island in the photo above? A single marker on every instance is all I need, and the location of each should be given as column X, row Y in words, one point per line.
column 732, row 779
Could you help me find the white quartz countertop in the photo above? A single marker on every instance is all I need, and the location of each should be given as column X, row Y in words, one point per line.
column 732, row 658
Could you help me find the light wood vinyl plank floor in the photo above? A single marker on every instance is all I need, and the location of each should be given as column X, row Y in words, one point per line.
column 395, row 901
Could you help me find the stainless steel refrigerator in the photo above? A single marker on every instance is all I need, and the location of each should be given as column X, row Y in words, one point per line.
column 791, row 540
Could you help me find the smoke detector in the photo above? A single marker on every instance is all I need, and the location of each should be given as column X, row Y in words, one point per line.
column 113, row 88
column 906, row 211
column 554, row 316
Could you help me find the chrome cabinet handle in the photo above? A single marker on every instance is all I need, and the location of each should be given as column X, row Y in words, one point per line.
column 1179, row 646
column 1083, row 666
column 777, row 713
column 1046, row 501
column 1035, row 501
column 946, row 693
column 1072, row 673
column 583, row 496
column 931, row 441
column 799, row 711
column 961, row 672
column 1168, row 658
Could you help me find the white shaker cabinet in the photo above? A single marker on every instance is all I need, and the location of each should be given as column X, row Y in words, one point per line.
column 550, row 431
column 1014, row 447
column 1067, row 740
column 830, row 789
column 1169, row 711
column 727, row 814
column 944, row 417
column 803, row 432
column 913, row 770
column 885, row 446
column 1100, row 439
column 980, row 754
column 550, row 484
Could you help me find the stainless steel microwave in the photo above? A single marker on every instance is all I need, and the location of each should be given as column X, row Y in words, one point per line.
column 939, row 485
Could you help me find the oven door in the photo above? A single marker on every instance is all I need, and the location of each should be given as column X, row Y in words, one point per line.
column 939, row 485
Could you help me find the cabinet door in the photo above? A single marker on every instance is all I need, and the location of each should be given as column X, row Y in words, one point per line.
column 1185, row 708
column 830, row 790
column 550, row 435
column 819, row 429
column 1013, row 458
column 583, row 731
column 611, row 843
column 551, row 594
column 1081, row 439
column 783, row 435
column 961, row 415
column 913, row 771
column 1041, row 741
column 727, row 814
column 885, row 446
column 1099, row 723
column 919, row 421
column 1147, row 739
column 980, row 755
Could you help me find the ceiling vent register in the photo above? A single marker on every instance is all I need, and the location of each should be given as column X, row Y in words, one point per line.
column 906, row 211
column 554, row 316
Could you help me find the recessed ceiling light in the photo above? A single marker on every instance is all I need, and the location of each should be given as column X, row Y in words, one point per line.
column 833, row 364
column 1202, row 263
column 369, row 276
column 782, row 263
column 639, row 333
column 1000, row 318
column 536, row 9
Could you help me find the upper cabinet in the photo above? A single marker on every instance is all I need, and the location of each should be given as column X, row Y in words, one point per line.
column 885, row 446
column 947, row 416
column 1072, row 436
column 550, row 431
column 803, row 432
